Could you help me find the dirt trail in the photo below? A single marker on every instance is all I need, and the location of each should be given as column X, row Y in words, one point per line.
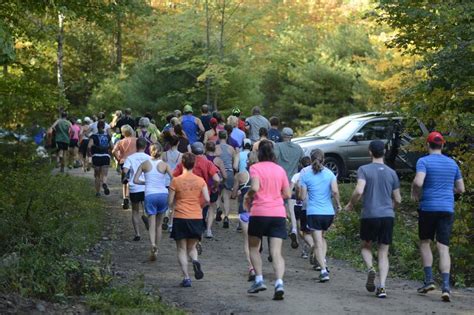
column 223, row 289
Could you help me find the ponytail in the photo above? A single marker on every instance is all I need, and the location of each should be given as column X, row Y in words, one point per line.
column 317, row 160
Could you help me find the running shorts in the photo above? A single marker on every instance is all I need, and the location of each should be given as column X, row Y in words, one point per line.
column 63, row 146
column 244, row 217
column 187, row 229
column 156, row 204
column 99, row 161
column 229, row 181
column 319, row 222
column 439, row 223
column 214, row 196
column 73, row 143
column 267, row 226
column 378, row 230
column 137, row 197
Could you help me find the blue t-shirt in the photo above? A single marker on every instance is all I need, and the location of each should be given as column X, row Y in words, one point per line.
column 319, row 192
column 438, row 188
column 274, row 135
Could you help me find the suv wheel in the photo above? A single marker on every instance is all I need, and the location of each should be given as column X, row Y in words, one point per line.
column 335, row 165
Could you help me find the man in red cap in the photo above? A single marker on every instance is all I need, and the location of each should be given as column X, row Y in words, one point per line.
column 437, row 179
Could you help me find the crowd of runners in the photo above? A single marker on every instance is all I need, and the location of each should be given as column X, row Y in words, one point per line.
column 182, row 178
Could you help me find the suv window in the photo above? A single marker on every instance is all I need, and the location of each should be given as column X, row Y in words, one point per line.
column 376, row 130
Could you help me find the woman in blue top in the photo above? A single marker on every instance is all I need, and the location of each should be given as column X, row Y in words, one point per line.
column 320, row 185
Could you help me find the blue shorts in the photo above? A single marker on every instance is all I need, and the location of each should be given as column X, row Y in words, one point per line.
column 156, row 203
column 244, row 217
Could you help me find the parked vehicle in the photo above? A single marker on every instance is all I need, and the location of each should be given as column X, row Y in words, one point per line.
column 345, row 141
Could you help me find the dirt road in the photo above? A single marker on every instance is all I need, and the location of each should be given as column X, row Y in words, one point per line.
column 223, row 289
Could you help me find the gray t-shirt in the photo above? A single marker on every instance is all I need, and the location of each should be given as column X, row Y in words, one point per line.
column 288, row 156
column 380, row 182
column 255, row 123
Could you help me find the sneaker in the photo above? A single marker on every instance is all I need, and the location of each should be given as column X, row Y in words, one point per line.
column 251, row 275
column 304, row 255
column 170, row 228
column 294, row 240
column 198, row 274
column 125, row 204
column 145, row 221
column 208, row 234
column 446, row 296
column 312, row 258
column 164, row 225
column 136, row 238
column 225, row 225
column 381, row 293
column 324, row 277
column 239, row 228
column 153, row 253
column 199, row 248
column 427, row 287
column 370, row 284
column 106, row 189
column 257, row 287
column 279, row 292
column 186, row 283
column 219, row 215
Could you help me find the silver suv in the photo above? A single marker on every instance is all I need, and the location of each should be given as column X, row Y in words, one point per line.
column 345, row 141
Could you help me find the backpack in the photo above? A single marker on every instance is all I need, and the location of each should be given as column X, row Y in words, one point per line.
column 103, row 141
column 147, row 136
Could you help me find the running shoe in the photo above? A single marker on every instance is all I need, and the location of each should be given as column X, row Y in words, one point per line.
column 219, row 215
column 106, row 189
column 239, row 228
column 164, row 225
column 257, row 287
column 225, row 224
column 186, row 283
column 208, row 234
column 251, row 275
column 446, row 296
column 125, row 204
column 198, row 274
column 279, row 292
column 304, row 255
column 136, row 238
column 381, row 293
column 145, row 221
column 324, row 277
column 199, row 248
column 153, row 253
column 170, row 228
column 370, row 284
column 427, row 287
column 294, row 240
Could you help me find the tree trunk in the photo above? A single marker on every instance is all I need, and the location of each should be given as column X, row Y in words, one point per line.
column 208, row 54
column 221, row 47
column 118, row 43
column 60, row 55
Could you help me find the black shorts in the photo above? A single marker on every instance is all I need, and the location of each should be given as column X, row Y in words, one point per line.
column 63, row 146
column 99, row 161
column 319, row 222
column 187, row 229
column 214, row 196
column 267, row 226
column 73, row 143
column 137, row 197
column 378, row 230
column 300, row 214
column 83, row 147
column 439, row 223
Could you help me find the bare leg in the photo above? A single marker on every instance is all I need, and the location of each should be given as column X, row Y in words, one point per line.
column 159, row 230
column 97, row 179
column 182, row 257
column 444, row 258
column 383, row 263
column 319, row 248
column 226, row 194
column 211, row 213
column 136, row 217
column 245, row 229
column 308, row 239
column 254, row 251
column 290, row 210
column 105, row 171
column 278, row 261
column 426, row 254
column 153, row 229
column 366, row 252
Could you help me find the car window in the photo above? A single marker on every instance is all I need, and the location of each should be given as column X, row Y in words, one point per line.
column 376, row 130
column 333, row 127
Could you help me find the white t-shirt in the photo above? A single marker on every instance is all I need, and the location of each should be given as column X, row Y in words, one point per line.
column 133, row 162
column 94, row 129
column 295, row 179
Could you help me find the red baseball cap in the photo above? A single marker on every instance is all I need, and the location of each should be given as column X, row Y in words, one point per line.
column 436, row 138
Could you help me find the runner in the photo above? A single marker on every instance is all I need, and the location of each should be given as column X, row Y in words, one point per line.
column 320, row 186
column 226, row 153
column 205, row 117
column 122, row 150
column 173, row 157
column 74, row 133
column 254, row 123
column 137, row 192
column 269, row 186
column 212, row 134
column 100, row 117
column 142, row 132
column 115, row 118
column 152, row 129
column 183, row 144
column 378, row 184
column 241, row 187
column 288, row 156
column 262, row 135
column 61, row 130
column 241, row 123
column 192, row 125
column 437, row 177
column 185, row 195
column 240, row 160
column 168, row 125
column 99, row 147
column 126, row 119
column 84, row 142
column 236, row 133
column 274, row 134
column 156, row 194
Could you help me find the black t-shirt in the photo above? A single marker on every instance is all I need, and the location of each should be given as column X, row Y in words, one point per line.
column 183, row 145
column 101, row 143
column 206, row 121
column 126, row 120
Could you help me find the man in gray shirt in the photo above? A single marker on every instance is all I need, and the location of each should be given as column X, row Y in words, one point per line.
column 380, row 187
column 254, row 123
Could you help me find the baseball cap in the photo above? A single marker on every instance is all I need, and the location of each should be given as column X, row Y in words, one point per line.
column 247, row 141
column 377, row 147
column 187, row 109
column 79, row 121
column 287, row 132
column 87, row 120
column 436, row 138
column 213, row 121
column 197, row 148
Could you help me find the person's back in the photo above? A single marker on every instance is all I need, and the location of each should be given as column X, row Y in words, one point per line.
column 243, row 158
column 155, row 181
column 75, row 132
column 441, row 174
column 319, row 191
column 256, row 122
column 62, row 130
column 288, row 155
column 226, row 155
column 188, row 189
column 101, row 144
column 190, row 128
column 381, row 181
column 274, row 135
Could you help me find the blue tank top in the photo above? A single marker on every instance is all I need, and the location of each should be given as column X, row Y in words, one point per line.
column 243, row 157
column 226, row 156
column 190, row 128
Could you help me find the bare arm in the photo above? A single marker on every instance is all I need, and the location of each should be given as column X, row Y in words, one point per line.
column 136, row 178
column 303, row 193
column 236, row 162
column 89, row 146
column 397, row 198
column 417, row 186
column 459, row 186
column 286, row 193
column 200, row 125
column 254, row 188
column 171, row 196
column 205, row 193
column 335, row 194
column 357, row 194
column 235, row 189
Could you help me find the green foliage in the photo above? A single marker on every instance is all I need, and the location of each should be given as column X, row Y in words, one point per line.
column 46, row 222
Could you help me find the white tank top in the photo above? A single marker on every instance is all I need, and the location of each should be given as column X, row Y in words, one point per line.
column 155, row 181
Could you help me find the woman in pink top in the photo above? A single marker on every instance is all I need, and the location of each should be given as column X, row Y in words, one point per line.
column 74, row 132
column 269, row 188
